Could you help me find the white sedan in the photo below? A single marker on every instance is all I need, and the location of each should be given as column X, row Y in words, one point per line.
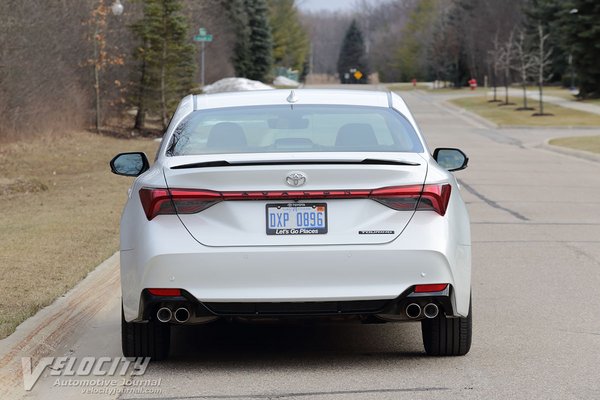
column 304, row 204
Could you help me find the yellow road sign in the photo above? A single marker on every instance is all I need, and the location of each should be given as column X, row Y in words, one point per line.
column 358, row 75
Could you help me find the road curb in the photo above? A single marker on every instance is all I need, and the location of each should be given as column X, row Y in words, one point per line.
column 570, row 152
column 41, row 334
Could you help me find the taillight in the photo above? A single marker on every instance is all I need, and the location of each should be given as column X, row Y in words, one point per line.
column 176, row 201
column 435, row 198
column 401, row 198
column 407, row 198
column 156, row 201
column 194, row 201
column 190, row 201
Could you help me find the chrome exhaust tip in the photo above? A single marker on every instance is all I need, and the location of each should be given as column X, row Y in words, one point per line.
column 182, row 315
column 413, row 310
column 431, row 310
column 164, row 314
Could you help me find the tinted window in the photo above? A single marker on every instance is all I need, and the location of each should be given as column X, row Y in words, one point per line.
column 298, row 128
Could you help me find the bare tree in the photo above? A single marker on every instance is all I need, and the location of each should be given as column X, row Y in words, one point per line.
column 382, row 24
column 443, row 49
column 494, row 56
column 480, row 20
column 506, row 63
column 41, row 95
column 326, row 31
column 101, row 56
column 542, row 62
column 47, row 62
column 524, row 66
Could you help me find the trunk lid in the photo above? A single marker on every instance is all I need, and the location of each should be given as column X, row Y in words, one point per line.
column 244, row 222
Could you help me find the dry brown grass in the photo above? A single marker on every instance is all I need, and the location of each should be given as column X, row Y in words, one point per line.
column 586, row 143
column 508, row 116
column 60, row 214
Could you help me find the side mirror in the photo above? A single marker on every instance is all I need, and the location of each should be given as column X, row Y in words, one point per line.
column 451, row 159
column 129, row 164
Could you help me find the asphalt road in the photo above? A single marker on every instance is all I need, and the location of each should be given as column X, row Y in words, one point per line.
column 536, row 278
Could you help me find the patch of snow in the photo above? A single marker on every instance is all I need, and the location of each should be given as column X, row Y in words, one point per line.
column 285, row 81
column 234, row 85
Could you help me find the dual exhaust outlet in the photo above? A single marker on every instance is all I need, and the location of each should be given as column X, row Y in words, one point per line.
column 430, row 310
column 181, row 315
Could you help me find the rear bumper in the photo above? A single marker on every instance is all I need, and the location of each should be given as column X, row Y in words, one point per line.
column 298, row 274
column 268, row 276
column 284, row 274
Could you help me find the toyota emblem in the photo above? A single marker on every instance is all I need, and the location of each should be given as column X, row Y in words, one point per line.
column 295, row 179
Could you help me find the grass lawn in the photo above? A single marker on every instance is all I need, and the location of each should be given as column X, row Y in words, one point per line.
column 507, row 115
column 60, row 216
column 587, row 143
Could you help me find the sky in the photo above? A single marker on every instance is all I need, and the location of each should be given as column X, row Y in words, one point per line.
column 329, row 5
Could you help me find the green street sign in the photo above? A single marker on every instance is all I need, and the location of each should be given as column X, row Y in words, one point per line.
column 203, row 36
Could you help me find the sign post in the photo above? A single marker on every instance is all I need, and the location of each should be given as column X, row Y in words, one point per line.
column 202, row 37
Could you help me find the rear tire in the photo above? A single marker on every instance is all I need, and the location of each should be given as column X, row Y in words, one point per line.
column 447, row 336
column 145, row 339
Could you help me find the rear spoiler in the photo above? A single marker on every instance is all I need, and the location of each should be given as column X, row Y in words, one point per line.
column 223, row 163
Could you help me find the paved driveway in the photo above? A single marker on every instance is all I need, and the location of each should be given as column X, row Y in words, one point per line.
column 536, row 280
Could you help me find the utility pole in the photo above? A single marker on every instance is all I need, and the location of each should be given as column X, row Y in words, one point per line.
column 202, row 37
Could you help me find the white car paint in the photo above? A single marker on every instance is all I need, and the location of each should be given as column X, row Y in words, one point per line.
column 232, row 262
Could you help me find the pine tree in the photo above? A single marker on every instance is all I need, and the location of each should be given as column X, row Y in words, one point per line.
column 236, row 12
column 580, row 34
column 459, row 18
column 290, row 40
column 261, row 41
column 166, row 57
column 353, row 56
column 410, row 52
column 252, row 52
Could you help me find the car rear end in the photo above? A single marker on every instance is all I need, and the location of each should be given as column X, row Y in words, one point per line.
column 297, row 210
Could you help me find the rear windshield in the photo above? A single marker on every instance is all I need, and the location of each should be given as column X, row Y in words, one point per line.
column 298, row 128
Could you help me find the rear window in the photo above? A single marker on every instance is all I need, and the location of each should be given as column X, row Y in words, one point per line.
column 297, row 128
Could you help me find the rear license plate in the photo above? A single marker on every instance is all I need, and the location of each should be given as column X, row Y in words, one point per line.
column 297, row 219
